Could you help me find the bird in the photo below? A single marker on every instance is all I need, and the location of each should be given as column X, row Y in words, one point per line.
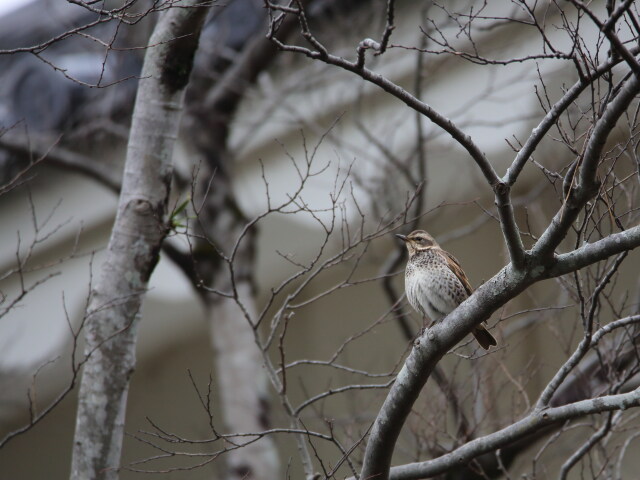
column 435, row 283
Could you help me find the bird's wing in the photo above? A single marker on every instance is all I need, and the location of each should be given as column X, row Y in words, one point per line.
column 455, row 267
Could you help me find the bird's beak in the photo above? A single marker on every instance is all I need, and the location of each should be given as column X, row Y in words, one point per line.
column 402, row 237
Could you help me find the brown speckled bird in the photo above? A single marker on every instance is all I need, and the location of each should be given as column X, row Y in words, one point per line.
column 435, row 282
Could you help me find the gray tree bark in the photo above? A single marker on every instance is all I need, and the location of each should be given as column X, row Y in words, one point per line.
column 241, row 381
column 243, row 388
column 140, row 227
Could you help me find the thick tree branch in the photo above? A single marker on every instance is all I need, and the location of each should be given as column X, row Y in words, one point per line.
column 508, row 224
column 528, row 425
column 602, row 129
column 594, row 252
column 552, row 116
column 587, row 185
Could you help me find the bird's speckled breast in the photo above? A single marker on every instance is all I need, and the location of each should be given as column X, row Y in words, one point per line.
column 431, row 287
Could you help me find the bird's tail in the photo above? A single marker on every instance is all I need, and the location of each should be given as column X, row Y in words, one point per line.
column 484, row 338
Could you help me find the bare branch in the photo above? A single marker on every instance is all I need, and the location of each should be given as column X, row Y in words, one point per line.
column 529, row 424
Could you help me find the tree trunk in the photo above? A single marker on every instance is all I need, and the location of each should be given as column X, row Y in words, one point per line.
column 242, row 384
column 242, row 387
column 139, row 229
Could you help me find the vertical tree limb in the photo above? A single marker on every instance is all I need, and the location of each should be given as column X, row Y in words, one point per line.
column 243, row 387
column 242, row 381
column 133, row 249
